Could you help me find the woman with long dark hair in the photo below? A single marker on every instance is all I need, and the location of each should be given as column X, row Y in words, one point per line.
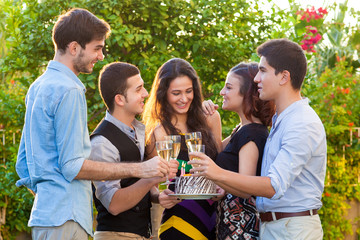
column 175, row 108
column 237, row 217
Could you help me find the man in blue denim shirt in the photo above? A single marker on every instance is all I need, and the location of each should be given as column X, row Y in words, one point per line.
column 294, row 161
column 52, row 158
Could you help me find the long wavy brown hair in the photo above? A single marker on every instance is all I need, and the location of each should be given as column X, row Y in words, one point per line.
column 252, row 104
column 157, row 109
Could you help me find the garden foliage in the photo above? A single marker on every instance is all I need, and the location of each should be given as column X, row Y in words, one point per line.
column 333, row 87
column 213, row 36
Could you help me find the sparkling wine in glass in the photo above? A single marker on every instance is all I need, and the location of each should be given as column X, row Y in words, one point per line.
column 164, row 149
column 193, row 138
column 176, row 139
column 196, row 148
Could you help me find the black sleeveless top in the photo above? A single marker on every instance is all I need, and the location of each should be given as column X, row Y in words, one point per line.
column 137, row 219
column 229, row 158
column 232, row 209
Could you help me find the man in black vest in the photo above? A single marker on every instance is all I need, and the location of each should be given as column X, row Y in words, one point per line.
column 123, row 205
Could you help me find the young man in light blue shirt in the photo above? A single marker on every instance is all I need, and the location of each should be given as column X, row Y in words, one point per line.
column 52, row 158
column 295, row 153
column 294, row 161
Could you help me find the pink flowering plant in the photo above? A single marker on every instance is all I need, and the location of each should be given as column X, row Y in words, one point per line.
column 311, row 38
column 312, row 14
column 310, row 24
column 333, row 87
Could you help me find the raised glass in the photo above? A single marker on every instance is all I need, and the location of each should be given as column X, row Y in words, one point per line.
column 164, row 149
column 193, row 138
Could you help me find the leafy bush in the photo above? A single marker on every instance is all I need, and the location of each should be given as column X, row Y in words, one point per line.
column 332, row 84
column 17, row 201
column 213, row 36
column 334, row 97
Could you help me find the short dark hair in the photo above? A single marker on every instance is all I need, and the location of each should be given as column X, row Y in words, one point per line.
column 283, row 54
column 78, row 25
column 113, row 80
column 252, row 104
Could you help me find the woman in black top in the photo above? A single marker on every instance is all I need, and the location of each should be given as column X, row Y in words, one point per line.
column 242, row 152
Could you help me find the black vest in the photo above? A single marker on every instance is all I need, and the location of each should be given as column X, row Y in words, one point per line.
column 137, row 219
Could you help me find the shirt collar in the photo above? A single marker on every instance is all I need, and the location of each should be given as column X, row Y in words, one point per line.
column 278, row 117
column 122, row 126
column 58, row 66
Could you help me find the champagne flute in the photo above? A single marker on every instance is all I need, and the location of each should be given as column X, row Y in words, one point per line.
column 196, row 148
column 174, row 151
column 176, row 139
column 193, row 138
column 164, row 149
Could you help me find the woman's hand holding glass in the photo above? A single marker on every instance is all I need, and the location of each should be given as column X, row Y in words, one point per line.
column 203, row 165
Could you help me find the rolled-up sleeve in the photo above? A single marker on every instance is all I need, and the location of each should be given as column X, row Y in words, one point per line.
column 296, row 150
column 72, row 137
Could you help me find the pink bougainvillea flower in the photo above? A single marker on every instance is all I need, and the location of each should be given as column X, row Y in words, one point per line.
column 313, row 30
column 317, row 38
column 304, row 46
column 312, row 35
column 311, row 13
column 322, row 10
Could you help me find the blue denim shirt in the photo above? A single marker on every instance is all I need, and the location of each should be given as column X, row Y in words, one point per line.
column 54, row 144
column 295, row 160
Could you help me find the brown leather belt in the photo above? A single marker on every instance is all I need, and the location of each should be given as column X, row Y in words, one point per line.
column 272, row 216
